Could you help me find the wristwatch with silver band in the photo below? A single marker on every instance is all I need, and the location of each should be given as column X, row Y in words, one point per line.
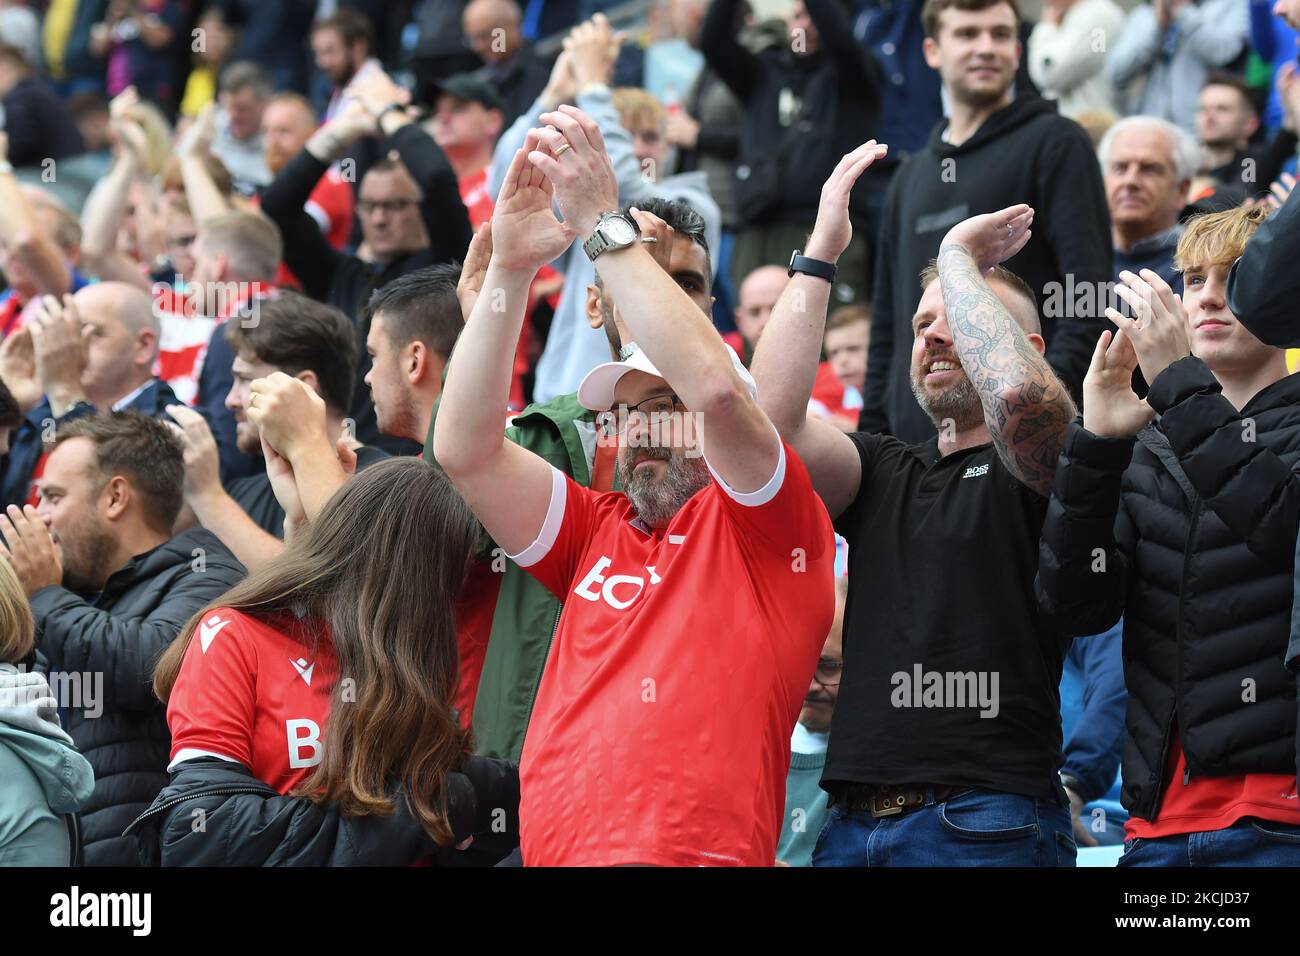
column 613, row 231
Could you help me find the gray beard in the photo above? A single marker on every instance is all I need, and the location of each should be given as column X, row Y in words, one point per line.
column 959, row 404
column 656, row 500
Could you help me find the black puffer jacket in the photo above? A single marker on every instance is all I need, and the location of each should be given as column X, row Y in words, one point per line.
column 216, row 813
column 1191, row 536
column 117, row 638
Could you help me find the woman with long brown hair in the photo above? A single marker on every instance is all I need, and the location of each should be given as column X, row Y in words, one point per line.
column 310, row 707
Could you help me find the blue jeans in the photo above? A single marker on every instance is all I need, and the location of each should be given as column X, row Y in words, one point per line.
column 1248, row 842
column 976, row 828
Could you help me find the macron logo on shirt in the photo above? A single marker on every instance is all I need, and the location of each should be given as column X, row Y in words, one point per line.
column 304, row 671
column 209, row 630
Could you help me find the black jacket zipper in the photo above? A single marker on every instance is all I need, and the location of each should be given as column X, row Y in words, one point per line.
column 1178, row 670
column 209, row 792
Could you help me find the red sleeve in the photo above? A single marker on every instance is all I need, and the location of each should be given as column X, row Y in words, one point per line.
column 785, row 515
column 554, row 556
column 210, row 711
column 333, row 198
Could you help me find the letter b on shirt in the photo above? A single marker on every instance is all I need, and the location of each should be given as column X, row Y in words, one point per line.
column 304, row 743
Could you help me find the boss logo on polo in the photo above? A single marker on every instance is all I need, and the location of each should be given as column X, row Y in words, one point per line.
column 619, row 591
column 975, row 471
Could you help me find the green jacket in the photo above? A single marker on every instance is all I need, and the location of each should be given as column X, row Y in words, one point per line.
column 527, row 614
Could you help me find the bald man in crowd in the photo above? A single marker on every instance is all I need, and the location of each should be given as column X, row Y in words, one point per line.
column 754, row 303
column 89, row 353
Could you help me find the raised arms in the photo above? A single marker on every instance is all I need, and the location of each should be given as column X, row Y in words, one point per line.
column 1026, row 407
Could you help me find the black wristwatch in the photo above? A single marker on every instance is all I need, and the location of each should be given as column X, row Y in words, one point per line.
column 811, row 267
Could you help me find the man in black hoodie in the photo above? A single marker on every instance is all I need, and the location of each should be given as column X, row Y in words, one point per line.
column 807, row 103
column 110, row 589
column 992, row 151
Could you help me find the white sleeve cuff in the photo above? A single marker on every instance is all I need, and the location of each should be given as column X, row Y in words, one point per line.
column 193, row 753
column 753, row 499
column 316, row 212
column 550, row 527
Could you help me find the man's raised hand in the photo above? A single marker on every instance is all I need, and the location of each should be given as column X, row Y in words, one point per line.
column 289, row 415
column 593, row 49
column 657, row 236
column 834, row 230
column 1111, row 409
column 472, row 273
column 570, row 153
column 993, row 237
column 285, row 485
column 59, row 345
column 18, row 369
column 525, row 233
column 30, row 549
column 200, row 455
column 197, row 140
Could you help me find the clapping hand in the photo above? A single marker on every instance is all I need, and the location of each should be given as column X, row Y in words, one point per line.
column 525, row 232
column 570, row 155
column 1111, row 409
column 472, row 273
column 833, row 230
column 59, row 346
column 288, row 413
column 30, row 549
column 993, row 237
column 1158, row 326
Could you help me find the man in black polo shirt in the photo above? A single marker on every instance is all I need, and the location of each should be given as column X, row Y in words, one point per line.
column 947, row 730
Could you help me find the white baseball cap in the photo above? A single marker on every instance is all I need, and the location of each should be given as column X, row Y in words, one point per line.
column 597, row 389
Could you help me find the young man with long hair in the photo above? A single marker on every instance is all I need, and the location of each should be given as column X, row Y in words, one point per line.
column 310, row 707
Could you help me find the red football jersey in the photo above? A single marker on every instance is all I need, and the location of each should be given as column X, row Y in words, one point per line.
column 661, row 730
column 1215, row 803
column 255, row 694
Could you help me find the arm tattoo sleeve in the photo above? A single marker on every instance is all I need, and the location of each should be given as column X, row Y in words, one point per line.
column 1026, row 407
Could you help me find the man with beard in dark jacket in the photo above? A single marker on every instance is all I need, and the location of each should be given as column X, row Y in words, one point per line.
column 110, row 589
column 992, row 151
column 807, row 103
column 1187, row 527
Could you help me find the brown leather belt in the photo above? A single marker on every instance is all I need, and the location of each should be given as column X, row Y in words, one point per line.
column 887, row 800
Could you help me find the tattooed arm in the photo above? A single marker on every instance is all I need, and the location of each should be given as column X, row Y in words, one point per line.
column 1026, row 407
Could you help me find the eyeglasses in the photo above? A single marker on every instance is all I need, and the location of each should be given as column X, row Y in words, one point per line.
column 828, row 672
column 649, row 411
column 368, row 206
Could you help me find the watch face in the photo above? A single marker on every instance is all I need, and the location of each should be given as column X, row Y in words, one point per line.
column 618, row 230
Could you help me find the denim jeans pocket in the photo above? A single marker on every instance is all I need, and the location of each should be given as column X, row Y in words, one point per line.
column 831, row 818
column 986, row 815
column 1275, row 832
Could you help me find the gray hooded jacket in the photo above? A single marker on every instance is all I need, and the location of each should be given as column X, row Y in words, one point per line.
column 44, row 775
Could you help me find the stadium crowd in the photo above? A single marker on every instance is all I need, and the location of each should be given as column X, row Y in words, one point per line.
column 667, row 433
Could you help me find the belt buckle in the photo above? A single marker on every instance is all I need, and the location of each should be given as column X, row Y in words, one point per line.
column 887, row 810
